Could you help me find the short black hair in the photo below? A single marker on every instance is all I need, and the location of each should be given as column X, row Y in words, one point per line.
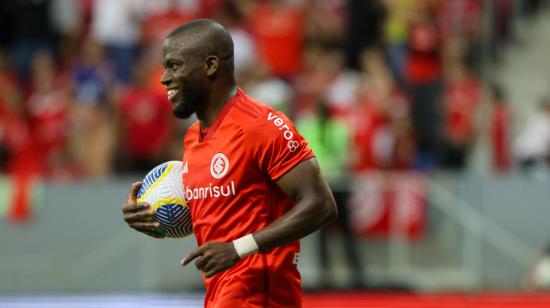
column 208, row 36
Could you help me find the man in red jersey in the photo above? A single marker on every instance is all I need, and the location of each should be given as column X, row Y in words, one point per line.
column 253, row 185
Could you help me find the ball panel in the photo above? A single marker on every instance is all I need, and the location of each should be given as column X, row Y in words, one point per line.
column 175, row 219
column 154, row 178
column 162, row 188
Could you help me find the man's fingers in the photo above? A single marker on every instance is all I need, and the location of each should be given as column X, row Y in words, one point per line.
column 154, row 234
column 144, row 226
column 194, row 254
column 133, row 192
column 132, row 207
column 201, row 263
column 207, row 266
column 190, row 257
column 143, row 215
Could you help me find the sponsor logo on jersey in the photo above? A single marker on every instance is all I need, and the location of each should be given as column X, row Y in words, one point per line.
column 292, row 144
column 219, row 165
column 210, row 191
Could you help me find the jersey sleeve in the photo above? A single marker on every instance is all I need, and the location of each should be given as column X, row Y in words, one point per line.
column 277, row 146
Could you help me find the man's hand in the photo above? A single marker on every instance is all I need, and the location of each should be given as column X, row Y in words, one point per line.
column 139, row 216
column 213, row 258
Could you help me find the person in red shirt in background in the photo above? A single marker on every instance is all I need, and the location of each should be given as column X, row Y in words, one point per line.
column 160, row 18
column 314, row 81
column 279, row 32
column 462, row 19
column 501, row 125
column 423, row 78
column 368, row 121
column 461, row 100
column 47, row 108
column 19, row 159
column 163, row 18
column 23, row 158
column 15, row 135
column 381, row 120
column 145, row 125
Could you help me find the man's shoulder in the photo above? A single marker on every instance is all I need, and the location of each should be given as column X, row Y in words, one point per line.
column 248, row 109
column 252, row 114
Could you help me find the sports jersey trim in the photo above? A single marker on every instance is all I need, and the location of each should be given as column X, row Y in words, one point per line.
column 285, row 170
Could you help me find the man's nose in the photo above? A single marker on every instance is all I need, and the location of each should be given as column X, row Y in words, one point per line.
column 166, row 78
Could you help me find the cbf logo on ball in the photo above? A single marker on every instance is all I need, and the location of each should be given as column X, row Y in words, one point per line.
column 219, row 165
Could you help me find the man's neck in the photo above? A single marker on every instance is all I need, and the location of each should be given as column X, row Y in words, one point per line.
column 215, row 105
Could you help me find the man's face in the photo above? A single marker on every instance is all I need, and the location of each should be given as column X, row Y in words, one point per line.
column 183, row 78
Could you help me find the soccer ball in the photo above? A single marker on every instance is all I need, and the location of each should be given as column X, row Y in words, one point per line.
column 162, row 188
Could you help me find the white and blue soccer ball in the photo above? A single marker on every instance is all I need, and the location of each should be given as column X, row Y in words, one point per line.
column 162, row 188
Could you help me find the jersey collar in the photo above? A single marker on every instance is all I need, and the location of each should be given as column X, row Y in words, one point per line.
column 206, row 134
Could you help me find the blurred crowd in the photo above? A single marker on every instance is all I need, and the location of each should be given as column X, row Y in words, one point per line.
column 373, row 85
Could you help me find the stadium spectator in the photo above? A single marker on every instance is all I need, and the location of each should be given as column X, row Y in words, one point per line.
column 67, row 19
column 378, row 117
column 460, row 20
column 270, row 89
column 329, row 138
column 278, row 29
column 424, row 80
column 500, row 130
column 10, row 114
column 329, row 32
column 145, row 127
column 32, row 31
column 233, row 18
column 92, row 131
column 321, row 80
column 91, row 76
column 162, row 16
column 461, row 99
column 325, row 22
column 48, row 106
column 396, row 22
column 117, row 26
column 532, row 146
column 364, row 29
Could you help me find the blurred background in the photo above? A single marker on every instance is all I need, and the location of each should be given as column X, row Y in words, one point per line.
column 430, row 119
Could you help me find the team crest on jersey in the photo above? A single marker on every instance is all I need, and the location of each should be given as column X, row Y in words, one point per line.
column 219, row 165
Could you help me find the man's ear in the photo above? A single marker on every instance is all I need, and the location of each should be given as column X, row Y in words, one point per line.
column 211, row 65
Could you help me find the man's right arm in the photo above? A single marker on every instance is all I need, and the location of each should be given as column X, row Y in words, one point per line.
column 139, row 215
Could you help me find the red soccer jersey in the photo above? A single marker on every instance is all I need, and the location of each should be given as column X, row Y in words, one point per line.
column 229, row 179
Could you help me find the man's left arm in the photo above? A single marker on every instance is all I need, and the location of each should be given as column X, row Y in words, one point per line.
column 314, row 208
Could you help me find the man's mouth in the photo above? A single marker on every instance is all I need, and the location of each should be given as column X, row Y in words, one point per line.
column 172, row 94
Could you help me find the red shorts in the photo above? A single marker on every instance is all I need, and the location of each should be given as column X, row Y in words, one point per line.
column 259, row 280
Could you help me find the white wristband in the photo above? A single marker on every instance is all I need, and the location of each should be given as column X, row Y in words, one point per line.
column 245, row 245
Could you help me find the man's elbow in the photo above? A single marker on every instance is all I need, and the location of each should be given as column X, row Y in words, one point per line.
column 330, row 212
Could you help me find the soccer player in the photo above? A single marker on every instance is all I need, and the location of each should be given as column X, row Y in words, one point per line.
column 252, row 183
